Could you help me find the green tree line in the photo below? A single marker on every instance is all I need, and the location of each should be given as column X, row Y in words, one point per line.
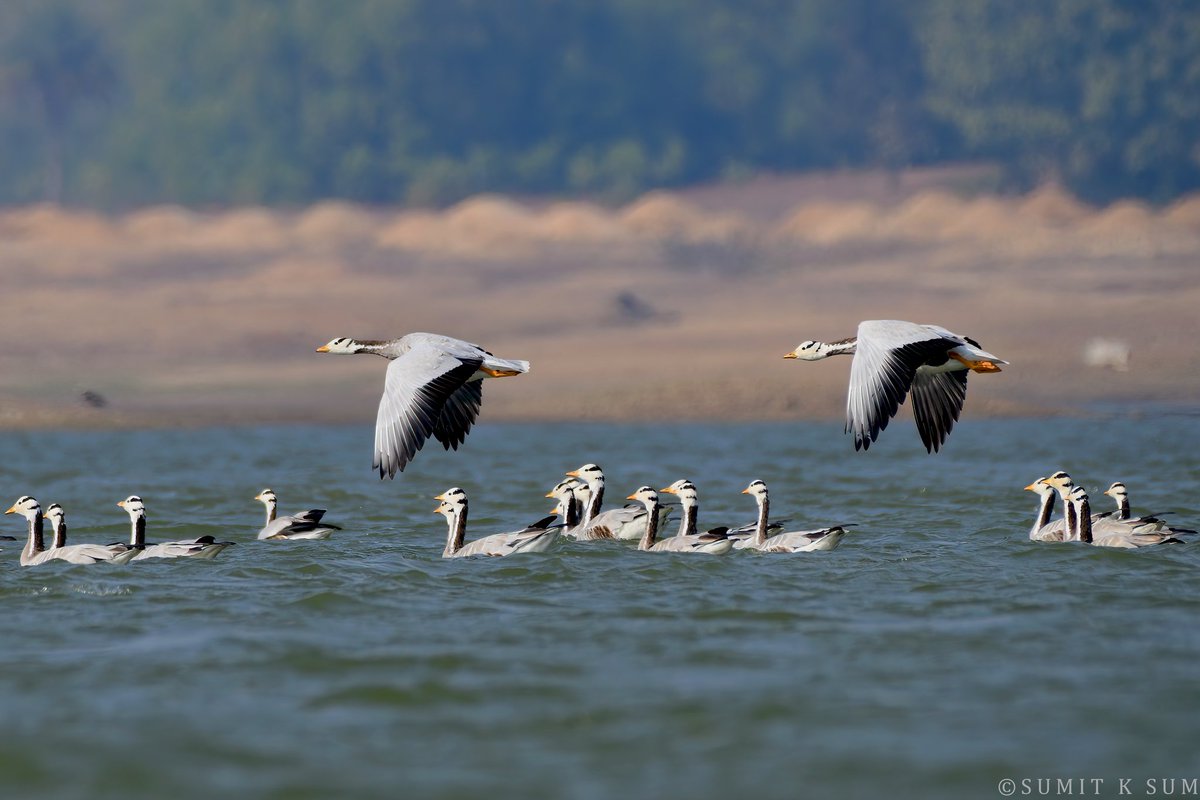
column 217, row 102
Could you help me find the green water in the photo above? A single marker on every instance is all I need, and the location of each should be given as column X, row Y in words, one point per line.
column 934, row 653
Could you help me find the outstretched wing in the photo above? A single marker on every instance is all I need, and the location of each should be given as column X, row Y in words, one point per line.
column 458, row 415
column 886, row 359
column 415, row 393
column 938, row 399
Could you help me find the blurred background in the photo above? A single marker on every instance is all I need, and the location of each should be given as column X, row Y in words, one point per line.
column 653, row 201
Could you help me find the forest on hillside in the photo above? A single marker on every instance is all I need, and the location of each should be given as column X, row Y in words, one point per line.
column 218, row 102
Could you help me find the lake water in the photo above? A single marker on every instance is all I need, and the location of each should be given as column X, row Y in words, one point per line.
column 936, row 652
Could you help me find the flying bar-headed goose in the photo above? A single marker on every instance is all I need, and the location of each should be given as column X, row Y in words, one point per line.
column 200, row 547
column 892, row 357
column 715, row 542
column 306, row 525
column 536, row 538
column 791, row 541
column 616, row 523
column 432, row 388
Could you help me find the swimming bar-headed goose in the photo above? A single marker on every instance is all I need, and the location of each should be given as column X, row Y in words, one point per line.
column 616, row 523
column 35, row 551
column 715, row 542
column 536, row 538
column 432, row 388
column 200, row 547
column 1119, row 493
column 81, row 553
column 892, row 358
column 306, row 525
column 791, row 541
column 1083, row 530
column 1106, row 522
column 689, row 499
column 1044, row 529
column 569, row 506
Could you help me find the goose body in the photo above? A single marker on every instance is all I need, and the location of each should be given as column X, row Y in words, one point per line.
column 535, row 538
column 893, row 358
column 715, row 542
column 432, row 388
column 201, row 547
column 306, row 525
column 820, row 539
column 626, row 523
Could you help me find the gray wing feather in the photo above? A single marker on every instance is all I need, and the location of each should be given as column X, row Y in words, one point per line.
column 938, row 399
column 458, row 415
column 886, row 359
column 415, row 392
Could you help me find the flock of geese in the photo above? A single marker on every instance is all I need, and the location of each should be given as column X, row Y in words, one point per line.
column 579, row 498
column 433, row 388
column 1117, row 528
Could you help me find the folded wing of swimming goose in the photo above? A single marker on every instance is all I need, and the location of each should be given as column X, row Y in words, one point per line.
column 535, row 538
column 894, row 357
column 432, row 388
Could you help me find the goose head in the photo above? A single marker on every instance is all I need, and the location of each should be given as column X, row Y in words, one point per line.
column 807, row 351
column 590, row 473
column 134, row 506
column 1062, row 482
column 27, row 507
column 342, row 345
column 454, row 502
column 646, row 496
column 563, row 489
column 1040, row 487
column 267, row 497
column 1117, row 492
column 685, row 490
column 757, row 490
column 55, row 513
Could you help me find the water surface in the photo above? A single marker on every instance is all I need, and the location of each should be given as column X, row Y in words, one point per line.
column 934, row 653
